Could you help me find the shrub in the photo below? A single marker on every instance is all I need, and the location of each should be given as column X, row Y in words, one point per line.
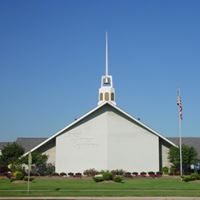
column 98, row 178
column 165, row 170
column 15, row 166
column 128, row 175
column 173, row 171
column 118, row 179
column 50, row 169
column 19, row 175
column 30, row 179
column 43, row 169
column 143, row 173
column 159, row 174
column 119, row 172
column 4, row 170
column 192, row 177
column 70, row 174
column 12, row 179
column 135, row 173
column 196, row 176
column 151, row 174
column 55, row 174
column 78, row 174
column 90, row 172
column 8, row 175
column 107, row 175
column 188, row 178
column 63, row 174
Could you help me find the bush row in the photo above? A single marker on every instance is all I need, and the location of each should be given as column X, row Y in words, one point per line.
column 143, row 174
column 120, row 172
column 71, row 174
column 92, row 173
column 50, row 170
column 192, row 177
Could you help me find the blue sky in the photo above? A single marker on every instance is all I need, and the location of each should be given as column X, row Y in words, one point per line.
column 52, row 56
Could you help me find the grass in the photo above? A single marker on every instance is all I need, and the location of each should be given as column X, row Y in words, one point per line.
column 87, row 187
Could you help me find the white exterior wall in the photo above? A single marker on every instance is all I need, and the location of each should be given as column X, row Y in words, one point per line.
column 107, row 140
column 51, row 155
column 49, row 149
column 83, row 147
column 165, row 160
column 131, row 147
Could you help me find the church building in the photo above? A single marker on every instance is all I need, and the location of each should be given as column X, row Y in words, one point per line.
column 106, row 138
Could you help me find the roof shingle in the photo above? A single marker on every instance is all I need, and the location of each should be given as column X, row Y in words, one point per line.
column 29, row 143
column 190, row 141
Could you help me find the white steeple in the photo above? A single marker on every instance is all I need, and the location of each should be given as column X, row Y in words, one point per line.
column 106, row 91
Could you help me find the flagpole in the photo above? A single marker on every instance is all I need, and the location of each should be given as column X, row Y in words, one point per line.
column 180, row 144
column 180, row 134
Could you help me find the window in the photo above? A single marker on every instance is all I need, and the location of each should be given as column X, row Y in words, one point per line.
column 107, row 96
column 112, row 96
column 101, row 96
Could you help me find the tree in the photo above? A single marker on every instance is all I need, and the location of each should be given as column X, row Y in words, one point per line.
column 37, row 159
column 189, row 156
column 39, row 164
column 11, row 154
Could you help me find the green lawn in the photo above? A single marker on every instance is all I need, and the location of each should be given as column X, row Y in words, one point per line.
column 87, row 187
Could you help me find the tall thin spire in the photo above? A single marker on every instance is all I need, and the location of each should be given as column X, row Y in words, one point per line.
column 106, row 91
column 106, row 55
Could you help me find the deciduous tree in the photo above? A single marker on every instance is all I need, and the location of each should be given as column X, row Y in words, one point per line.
column 189, row 156
column 37, row 159
column 11, row 154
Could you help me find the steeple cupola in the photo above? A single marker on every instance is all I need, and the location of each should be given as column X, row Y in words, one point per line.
column 106, row 91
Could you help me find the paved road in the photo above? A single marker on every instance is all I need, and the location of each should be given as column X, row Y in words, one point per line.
column 100, row 198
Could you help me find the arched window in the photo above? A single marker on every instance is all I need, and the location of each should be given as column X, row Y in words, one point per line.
column 101, row 96
column 107, row 96
column 112, row 96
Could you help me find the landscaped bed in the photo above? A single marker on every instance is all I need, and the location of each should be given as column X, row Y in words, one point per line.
column 139, row 186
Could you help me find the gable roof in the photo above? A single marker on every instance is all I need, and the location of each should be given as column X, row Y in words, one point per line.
column 94, row 110
column 26, row 143
column 29, row 143
column 190, row 141
column 3, row 144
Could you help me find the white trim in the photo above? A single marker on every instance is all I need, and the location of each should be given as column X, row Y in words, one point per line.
column 65, row 128
column 90, row 112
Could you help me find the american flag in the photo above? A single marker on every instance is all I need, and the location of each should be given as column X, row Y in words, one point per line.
column 179, row 104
